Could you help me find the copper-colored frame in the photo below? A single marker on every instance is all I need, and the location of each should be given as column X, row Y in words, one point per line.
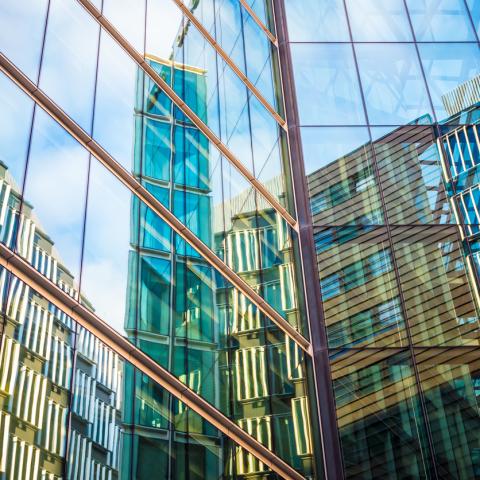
column 139, row 59
column 145, row 196
column 118, row 343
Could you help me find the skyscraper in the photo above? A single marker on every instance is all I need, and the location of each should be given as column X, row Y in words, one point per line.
column 239, row 239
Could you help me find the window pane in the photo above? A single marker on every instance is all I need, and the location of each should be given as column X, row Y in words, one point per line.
column 22, row 25
column 16, row 110
column 474, row 7
column 327, row 85
column 440, row 20
column 373, row 20
column 69, row 61
column 55, row 190
column 446, row 67
column 393, row 84
column 311, row 20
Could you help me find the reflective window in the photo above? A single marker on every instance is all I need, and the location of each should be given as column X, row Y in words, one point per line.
column 55, row 194
column 16, row 111
column 314, row 21
column 440, row 20
column 474, row 8
column 448, row 66
column 374, row 21
column 69, row 60
column 22, row 26
column 327, row 86
column 393, row 84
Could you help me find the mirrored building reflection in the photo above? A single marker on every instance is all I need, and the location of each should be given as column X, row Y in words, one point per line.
column 239, row 239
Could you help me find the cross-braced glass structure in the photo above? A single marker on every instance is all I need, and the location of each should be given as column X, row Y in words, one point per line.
column 239, row 239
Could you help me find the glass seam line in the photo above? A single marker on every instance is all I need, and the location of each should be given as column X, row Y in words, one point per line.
column 176, row 99
column 146, row 197
column 252, row 88
column 114, row 340
column 257, row 20
column 331, row 454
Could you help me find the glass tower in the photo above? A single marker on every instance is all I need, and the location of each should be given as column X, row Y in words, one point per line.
column 239, row 239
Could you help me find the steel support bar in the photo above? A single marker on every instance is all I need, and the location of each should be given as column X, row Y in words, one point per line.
column 146, row 197
column 226, row 58
column 268, row 33
column 121, row 345
column 331, row 451
column 187, row 111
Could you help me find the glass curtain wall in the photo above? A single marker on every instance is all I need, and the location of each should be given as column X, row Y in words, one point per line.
column 388, row 95
column 74, row 221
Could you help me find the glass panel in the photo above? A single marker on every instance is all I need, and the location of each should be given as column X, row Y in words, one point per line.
column 243, row 41
column 440, row 20
column 438, row 299
column 393, row 84
column 22, row 26
column 16, row 111
column 310, row 21
column 385, row 21
column 382, row 432
column 474, row 7
column 361, row 301
column 177, row 309
column 128, row 16
column 411, row 176
column 69, row 60
column 36, row 366
column 58, row 380
column 331, row 77
column 446, row 67
column 118, row 79
column 262, row 9
column 55, row 193
column 449, row 379
column 344, row 189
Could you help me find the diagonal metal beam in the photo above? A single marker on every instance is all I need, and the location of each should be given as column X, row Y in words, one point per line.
column 193, row 19
column 146, row 197
column 257, row 20
column 186, row 110
column 129, row 352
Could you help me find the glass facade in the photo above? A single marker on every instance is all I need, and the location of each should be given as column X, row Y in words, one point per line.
column 387, row 99
column 239, row 239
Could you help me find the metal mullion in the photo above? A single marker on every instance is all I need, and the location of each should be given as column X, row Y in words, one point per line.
column 130, row 353
column 186, row 110
column 148, row 199
column 462, row 158
column 452, row 157
column 465, row 132
column 257, row 20
column 329, row 460
column 253, row 89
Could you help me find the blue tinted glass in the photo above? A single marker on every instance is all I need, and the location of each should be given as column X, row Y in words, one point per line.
column 311, row 20
column 447, row 66
column 373, row 20
column 327, row 85
column 393, row 84
column 322, row 146
column 69, row 60
column 439, row 20
column 55, row 188
column 474, row 7
column 21, row 32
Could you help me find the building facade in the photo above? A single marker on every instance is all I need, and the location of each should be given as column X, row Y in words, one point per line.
column 239, row 239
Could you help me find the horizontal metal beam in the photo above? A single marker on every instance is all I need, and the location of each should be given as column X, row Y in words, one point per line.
column 148, row 199
column 192, row 18
column 139, row 59
column 121, row 345
column 257, row 20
